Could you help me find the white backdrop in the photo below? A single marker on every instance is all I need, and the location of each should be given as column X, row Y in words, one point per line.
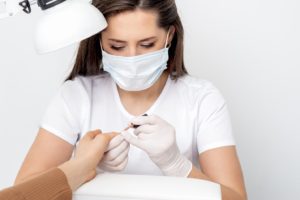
column 249, row 49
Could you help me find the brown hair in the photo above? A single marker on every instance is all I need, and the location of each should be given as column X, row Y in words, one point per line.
column 89, row 57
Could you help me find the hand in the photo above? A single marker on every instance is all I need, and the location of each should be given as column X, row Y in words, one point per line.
column 116, row 155
column 89, row 152
column 158, row 139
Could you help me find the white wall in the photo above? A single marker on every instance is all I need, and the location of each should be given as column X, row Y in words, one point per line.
column 28, row 81
column 249, row 49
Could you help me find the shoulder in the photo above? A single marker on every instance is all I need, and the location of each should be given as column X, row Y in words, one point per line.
column 81, row 86
column 197, row 89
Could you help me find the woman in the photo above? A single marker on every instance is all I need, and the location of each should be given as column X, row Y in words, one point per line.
column 135, row 66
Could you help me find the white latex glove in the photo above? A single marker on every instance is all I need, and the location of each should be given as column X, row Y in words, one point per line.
column 158, row 139
column 116, row 156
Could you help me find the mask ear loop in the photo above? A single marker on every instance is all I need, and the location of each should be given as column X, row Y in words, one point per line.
column 166, row 44
column 101, row 45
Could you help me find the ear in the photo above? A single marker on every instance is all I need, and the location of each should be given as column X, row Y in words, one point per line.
column 171, row 34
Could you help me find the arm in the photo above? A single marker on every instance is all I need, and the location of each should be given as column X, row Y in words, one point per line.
column 52, row 185
column 221, row 165
column 58, row 184
column 46, row 152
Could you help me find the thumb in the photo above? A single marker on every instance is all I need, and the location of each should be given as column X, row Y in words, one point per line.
column 132, row 139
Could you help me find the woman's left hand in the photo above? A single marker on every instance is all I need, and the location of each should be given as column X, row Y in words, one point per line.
column 116, row 155
column 158, row 139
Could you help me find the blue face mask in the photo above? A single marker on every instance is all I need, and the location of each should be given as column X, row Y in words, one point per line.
column 138, row 72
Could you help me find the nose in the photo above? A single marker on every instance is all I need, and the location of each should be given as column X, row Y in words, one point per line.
column 132, row 51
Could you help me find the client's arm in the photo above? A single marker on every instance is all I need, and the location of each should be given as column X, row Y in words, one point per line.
column 58, row 183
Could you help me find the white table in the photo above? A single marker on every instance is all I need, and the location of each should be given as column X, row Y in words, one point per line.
column 141, row 187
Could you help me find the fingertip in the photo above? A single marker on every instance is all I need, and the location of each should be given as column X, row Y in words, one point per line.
column 94, row 133
column 111, row 135
column 98, row 131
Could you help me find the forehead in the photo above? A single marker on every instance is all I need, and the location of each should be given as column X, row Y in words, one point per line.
column 136, row 24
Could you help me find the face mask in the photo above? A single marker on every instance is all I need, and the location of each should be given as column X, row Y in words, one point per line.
column 138, row 72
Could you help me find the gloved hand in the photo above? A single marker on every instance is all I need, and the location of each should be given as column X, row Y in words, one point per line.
column 158, row 139
column 116, row 155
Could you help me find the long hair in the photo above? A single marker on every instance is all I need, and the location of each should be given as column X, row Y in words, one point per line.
column 89, row 57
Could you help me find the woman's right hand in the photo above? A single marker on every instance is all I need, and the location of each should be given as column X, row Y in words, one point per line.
column 116, row 155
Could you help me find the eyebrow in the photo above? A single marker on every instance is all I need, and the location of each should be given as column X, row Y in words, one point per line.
column 121, row 41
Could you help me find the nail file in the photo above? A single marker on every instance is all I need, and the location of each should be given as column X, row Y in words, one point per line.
column 136, row 126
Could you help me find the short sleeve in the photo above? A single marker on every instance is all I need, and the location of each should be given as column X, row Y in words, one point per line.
column 62, row 117
column 215, row 128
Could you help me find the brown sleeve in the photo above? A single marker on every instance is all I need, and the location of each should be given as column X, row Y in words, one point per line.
column 52, row 185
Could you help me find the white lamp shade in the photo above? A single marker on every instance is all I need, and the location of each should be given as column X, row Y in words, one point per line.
column 67, row 23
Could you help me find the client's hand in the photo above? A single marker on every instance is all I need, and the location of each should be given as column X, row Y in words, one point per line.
column 89, row 152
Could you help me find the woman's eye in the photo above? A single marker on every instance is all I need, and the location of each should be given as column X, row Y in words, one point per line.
column 147, row 45
column 117, row 48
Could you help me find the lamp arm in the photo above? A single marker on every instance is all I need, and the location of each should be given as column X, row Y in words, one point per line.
column 9, row 8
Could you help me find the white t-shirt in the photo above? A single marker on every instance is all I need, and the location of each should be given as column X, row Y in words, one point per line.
column 193, row 106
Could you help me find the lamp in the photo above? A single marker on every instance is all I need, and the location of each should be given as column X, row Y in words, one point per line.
column 64, row 21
